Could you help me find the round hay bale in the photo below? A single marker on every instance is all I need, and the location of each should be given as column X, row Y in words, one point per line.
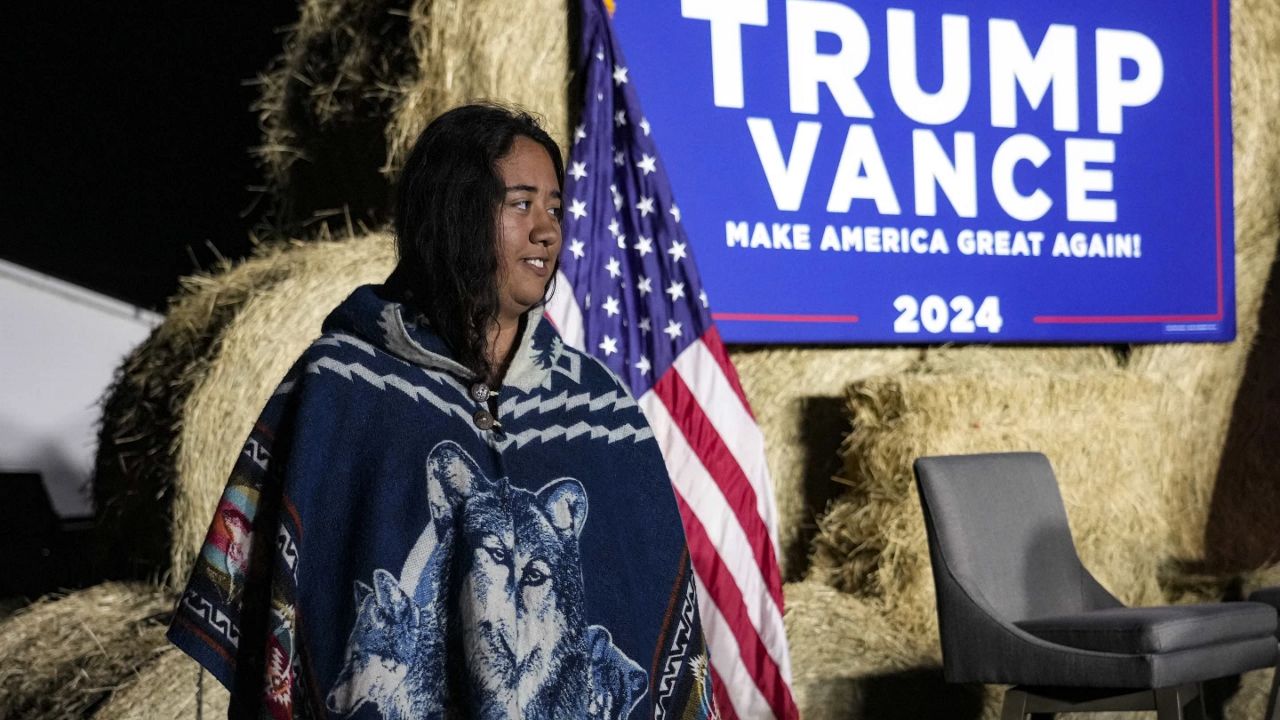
column 168, row 687
column 227, row 339
column 63, row 655
column 324, row 107
column 1100, row 429
column 471, row 50
column 135, row 467
column 273, row 325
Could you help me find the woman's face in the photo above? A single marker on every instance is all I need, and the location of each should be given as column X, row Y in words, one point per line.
column 528, row 227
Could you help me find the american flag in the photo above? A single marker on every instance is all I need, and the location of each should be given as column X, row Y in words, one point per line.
column 628, row 292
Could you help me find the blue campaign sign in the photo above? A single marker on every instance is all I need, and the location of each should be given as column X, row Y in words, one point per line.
column 980, row 171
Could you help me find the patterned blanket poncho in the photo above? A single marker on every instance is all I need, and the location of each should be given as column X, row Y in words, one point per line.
column 383, row 550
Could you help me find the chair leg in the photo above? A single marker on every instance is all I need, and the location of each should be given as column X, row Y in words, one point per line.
column 1169, row 703
column 1015, row 705
column 1198, row 710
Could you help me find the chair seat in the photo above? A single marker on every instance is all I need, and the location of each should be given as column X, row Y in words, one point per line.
column 1144, row 630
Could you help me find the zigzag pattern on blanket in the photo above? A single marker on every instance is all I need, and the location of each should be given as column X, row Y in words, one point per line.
column 614, row 401
column 610, row 401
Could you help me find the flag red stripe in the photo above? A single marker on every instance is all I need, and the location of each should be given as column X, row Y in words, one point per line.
column 719, row 584
column 724, row 708
column 707, row 444
column 711, row 338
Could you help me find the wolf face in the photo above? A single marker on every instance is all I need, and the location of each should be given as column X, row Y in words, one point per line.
column 495, row 581
column 519, row 595
column 617, row 682
column 387, row 655
column 550, row 649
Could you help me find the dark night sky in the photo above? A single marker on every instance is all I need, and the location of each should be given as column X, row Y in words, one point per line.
column 126, row 137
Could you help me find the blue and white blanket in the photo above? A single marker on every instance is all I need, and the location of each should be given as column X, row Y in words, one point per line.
column 383, row 550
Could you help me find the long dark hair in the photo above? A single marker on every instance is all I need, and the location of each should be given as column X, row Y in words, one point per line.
column 447, row 239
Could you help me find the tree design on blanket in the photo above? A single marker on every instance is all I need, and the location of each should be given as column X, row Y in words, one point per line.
column 494, row 579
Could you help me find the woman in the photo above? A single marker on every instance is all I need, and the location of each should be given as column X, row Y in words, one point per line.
column 443, row 510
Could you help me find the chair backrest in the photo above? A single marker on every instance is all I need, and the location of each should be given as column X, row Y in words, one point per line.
column 998, row 529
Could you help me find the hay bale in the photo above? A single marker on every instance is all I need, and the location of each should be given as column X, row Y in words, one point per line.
column 1210, row 375
column 271, row 327
column 134, row 471
column 358, row 81
column 156, row 415
column 61, row 656
column 484, row 49
column 850, row 662
column 1096, row 427
column 167, row 688
column 324, row 107
column 796, row 395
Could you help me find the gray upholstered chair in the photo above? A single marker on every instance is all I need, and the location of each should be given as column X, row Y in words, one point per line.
column 1017, row 607
column 1271, row 596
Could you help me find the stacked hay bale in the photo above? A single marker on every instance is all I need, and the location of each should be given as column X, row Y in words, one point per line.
column 61, row 657
column 323, row 108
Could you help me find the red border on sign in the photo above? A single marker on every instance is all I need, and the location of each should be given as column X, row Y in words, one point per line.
column 777, row 317
column 1081, row 319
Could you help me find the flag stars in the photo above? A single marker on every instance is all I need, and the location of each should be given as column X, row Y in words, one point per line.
column 617, row 197
column 677, row 251
column 579, row 170
column 644, row 125
column 619, row 75
column 580, row 133
column 576, row 247
column 608, row 345
column 645, row 206
column 675, row 213
column 622, row 241
column 643, row 366
column 619, row 158
column 578, row 209
column 614, row 267
column 611, row 306
column 620, row 118
column 645, row 286
column 673, row 330
column 702, row 297
column 675, row 290
column 614, row 227
column 644, row 245
column 647, row 163
column 644, row 325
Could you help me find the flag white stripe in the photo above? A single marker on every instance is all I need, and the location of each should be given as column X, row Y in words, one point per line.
column 737, row 429
column 726, row 658
column 565, row 313
column 701, row 493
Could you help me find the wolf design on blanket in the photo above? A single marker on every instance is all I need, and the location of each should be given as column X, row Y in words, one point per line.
column 519, row 595
column 482, row 585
